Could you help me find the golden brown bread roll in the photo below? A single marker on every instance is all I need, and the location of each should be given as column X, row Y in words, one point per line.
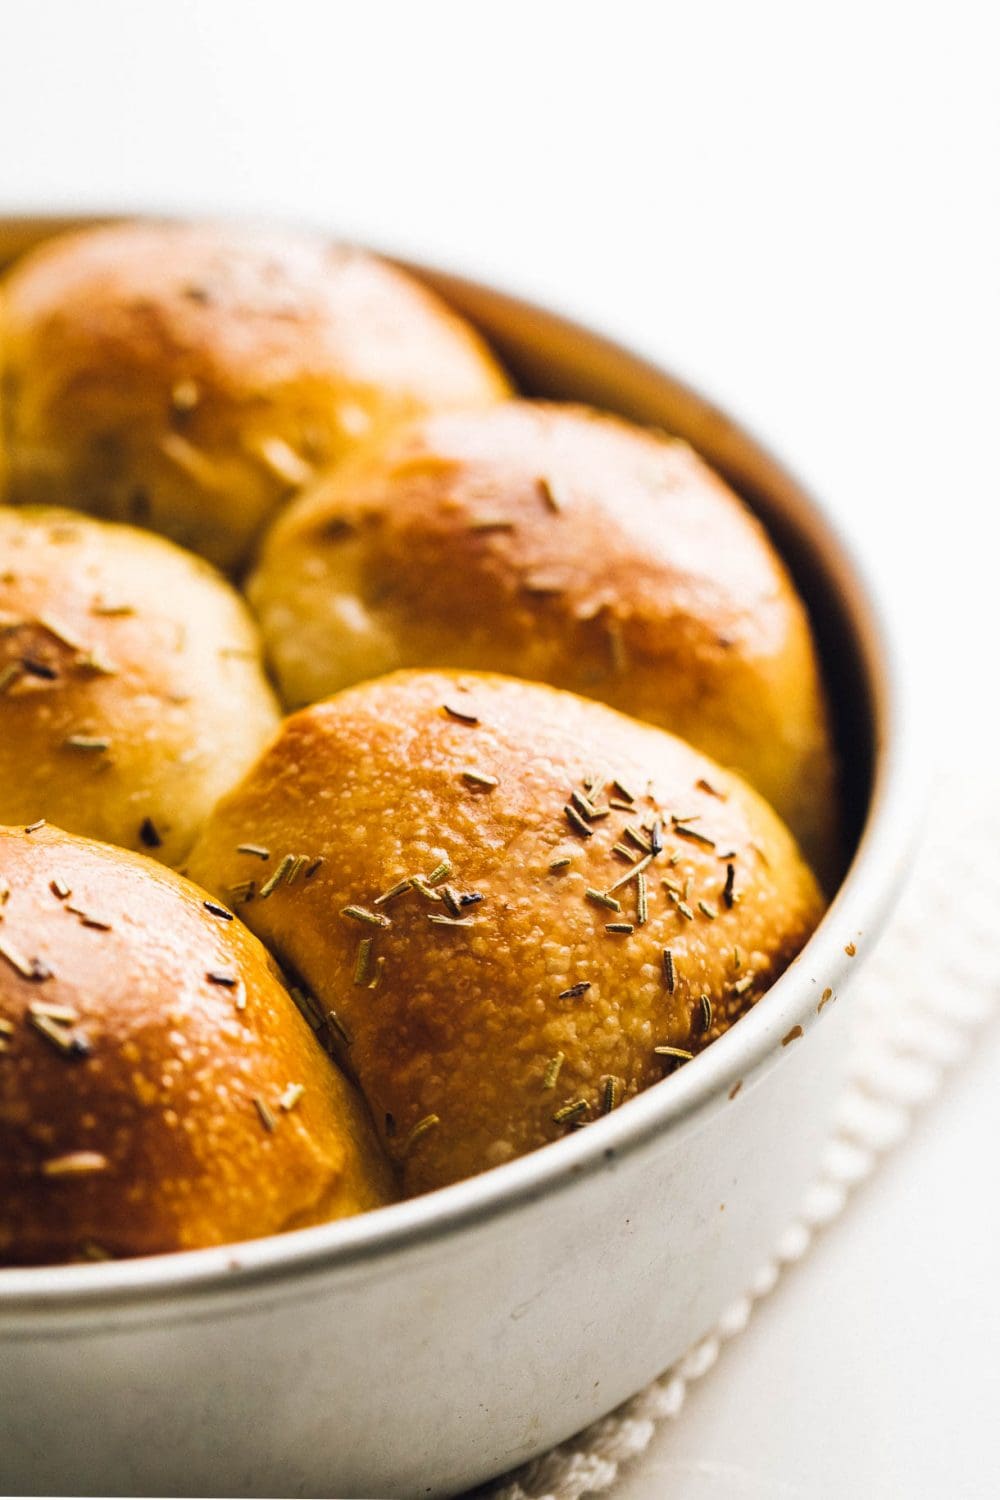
column 158, row 1088
column 523, row 979
column 189, row 377
column 570, row 548
column 131, row 689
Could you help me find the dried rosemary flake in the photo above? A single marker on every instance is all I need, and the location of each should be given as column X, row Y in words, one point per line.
column 91, row 1250
column 642, row 900
column 100, row 608
column 703, row 1014
column 623, row 791
column 59, row 632
column 624, row 852
column 291, row 1096
column 60, row 1037
column 28, row 968
column 296, row 868
column 728, row 893
column 609, row 1095
column 362, row 963
column 576, row 990
column 277, row 876
column 440, row 872
column 93, row 661
column 265, row 1112
column 655, row 841
column 219, row 976
column 420, row 885
column 242, row 891
column 637, row 837
column 582, row 804
column 619, row 805
column 440, row 921
column 491, row 523
column 681, row 1054
column 706, row 786
column 338, row 1028
column 450, row 899
column 616, row 647
column 570, row 1111
column 313, row 866
column 601, row 898
column 75, row 1164
column 360, row 914
column 707, row 910
column 399, row 889
column 59, row 888
column 36, row 668
column 149, row 834
column 625, row 927
column 376, row 978
column 479, row 778
column 420, row 1129
column 669, row 972
column 737, row 959
column 307, row 1006
column 471, row 898
column 742, row 985
column 459, row 714
column 599, row 811
column 685, row 831
column 577, row 823
column 560, row 862
column 552, row 1068
column 632, row 874
column 89, row 919
column 218, row 911
column 63, row 1015
column 257, row 850
column 86, row 742
column 549, row 495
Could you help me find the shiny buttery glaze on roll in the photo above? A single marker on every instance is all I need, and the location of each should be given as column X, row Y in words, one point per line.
column 131, row 688
column 190, row 377
column 529, row 907
column 158, row 1088
column 565, row 547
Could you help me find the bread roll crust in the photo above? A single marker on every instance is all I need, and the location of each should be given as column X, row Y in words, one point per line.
column 147, row 1137
column 565, row 547
column 190, row 377
column 132, row 688
column 461, row 1024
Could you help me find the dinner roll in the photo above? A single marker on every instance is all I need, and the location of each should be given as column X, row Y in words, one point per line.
column 498, row 969
column 158, row 1088
column 131, row 688
column 570, row 548
column 190, row 377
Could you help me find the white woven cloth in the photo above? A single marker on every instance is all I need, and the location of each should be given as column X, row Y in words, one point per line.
column 911, row 1031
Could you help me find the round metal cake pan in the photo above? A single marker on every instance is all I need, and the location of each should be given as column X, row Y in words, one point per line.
column 428, row 1346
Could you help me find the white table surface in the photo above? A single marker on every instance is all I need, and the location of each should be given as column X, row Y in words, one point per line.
column 795, row 206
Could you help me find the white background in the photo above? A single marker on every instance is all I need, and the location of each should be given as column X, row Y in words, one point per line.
column 796, row 206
